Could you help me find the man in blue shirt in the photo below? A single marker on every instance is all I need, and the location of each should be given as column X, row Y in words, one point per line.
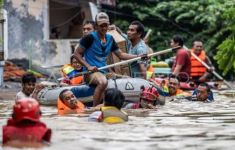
column 137, row 46
column 95, row 48
column 203, row 93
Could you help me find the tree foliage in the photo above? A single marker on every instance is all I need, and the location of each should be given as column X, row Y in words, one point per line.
column 226, row 54
column 208, row 20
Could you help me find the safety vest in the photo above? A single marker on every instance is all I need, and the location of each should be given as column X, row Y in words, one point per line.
column 70, row 72
column 111, row 114
column 63, row 109
column 37, row 132
column 181, row 93
column 197, row 68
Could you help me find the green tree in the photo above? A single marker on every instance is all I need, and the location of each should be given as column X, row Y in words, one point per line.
column 225, row 56
column 201, row 19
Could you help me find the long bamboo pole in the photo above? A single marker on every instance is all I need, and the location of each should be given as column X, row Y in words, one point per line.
column 208, row 67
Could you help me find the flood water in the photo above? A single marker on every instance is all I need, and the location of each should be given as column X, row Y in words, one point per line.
column 180, row 124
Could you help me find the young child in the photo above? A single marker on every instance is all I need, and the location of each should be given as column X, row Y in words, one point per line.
column 111, row 111
column 29, row 87
column 24, row 129
column 69, row 72
column 68, row 104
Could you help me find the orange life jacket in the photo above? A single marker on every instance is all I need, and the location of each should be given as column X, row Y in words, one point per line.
column 150, row 71
column 197, row 68
column 37, row 132
column 180, row 92
column 70, row 72
column 63, row 109
column 164, row 85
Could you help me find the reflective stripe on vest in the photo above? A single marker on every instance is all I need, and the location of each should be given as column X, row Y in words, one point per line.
column 113, row 115
column 37, row 132
column 70, row 72
column 63, row 109
column 197, row 68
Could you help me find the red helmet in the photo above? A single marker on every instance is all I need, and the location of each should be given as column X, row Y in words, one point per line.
column 149, row 94
column 26, row 109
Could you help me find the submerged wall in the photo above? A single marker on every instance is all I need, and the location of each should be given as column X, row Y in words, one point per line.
column 28, row 33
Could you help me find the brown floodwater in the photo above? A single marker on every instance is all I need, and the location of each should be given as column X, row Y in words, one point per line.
column 180, row 124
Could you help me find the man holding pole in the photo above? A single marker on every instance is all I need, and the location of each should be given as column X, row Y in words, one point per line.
column 95, row 48
column 199, row 72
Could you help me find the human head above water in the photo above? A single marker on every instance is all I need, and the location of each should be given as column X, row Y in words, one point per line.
column 68, row 98
column 28, row 83
column 203, row 92
column 114, row 97
column 26, row 109
column 149, row 97
column 173, row 85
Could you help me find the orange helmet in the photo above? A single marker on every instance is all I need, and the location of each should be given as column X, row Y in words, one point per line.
column 26, row 109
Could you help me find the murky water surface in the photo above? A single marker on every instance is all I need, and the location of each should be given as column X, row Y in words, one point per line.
column 180, row 124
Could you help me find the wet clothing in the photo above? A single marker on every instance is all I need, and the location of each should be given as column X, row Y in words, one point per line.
column 96, row 52
column 197, row 68
column 83, row 90
column 89, row 78
column 181, row 93
column 132, row 106
column 63, row 109
column 113, row 115
column 70, row 75
column 164, row 91
column 139, row 49
column 109, row 114
column 18, row 131
column 210, row 97
column 183, row 58
column 21, row 95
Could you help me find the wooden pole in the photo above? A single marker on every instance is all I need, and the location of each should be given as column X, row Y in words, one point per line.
column 208, row 67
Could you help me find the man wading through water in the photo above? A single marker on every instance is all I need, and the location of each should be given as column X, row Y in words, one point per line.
column 95, row 48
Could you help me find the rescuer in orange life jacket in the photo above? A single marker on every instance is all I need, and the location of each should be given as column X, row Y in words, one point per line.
column 24, row 129
column 199, row 72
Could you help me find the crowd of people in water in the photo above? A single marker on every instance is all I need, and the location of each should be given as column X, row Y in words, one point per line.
column 24, row 128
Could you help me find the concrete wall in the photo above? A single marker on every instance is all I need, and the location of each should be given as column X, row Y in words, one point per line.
column 28, row 33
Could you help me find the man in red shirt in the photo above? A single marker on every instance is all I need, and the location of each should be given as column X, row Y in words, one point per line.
column 182, row 63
